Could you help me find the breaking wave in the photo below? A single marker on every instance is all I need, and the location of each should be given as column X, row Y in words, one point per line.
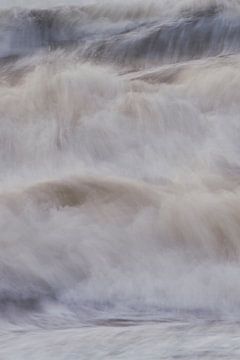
column 119, row 138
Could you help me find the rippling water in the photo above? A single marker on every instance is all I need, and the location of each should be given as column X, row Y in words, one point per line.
column 120, row 179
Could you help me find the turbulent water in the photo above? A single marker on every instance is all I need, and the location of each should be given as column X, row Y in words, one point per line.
column 119, row 179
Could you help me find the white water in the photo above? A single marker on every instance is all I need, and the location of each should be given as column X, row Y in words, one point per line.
column 119, row 181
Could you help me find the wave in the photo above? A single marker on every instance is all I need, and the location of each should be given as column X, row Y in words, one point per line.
column 24, row 287
column 119, row 138
column 125, row 125
column 138, row 33
column 95, row 245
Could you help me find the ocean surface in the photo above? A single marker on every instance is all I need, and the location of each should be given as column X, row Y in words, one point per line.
column 119, row 179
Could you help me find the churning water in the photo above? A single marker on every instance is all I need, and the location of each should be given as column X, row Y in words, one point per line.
column 119, row 179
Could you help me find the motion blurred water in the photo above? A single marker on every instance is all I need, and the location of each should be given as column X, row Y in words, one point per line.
column 119, row 182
